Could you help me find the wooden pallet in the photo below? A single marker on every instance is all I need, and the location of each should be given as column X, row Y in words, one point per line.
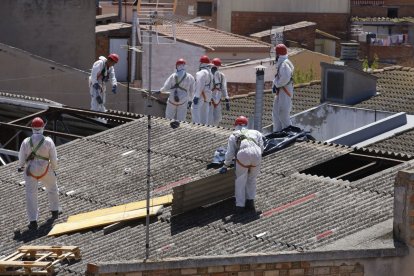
column 37, row 260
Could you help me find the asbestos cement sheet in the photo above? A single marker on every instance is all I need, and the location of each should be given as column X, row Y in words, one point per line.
column 162, row 200
column 68, row 227
column 205, row 191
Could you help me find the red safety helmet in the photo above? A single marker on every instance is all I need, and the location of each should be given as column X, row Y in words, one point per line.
column 204, row 59
column 281, row 49
column 38, row 123
column 114, row 57
column 180, row 61
column 216, row 61
column 241, row 121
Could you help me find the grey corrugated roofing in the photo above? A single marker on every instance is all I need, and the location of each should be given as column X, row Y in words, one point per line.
column 395, row 93
column 94, row 169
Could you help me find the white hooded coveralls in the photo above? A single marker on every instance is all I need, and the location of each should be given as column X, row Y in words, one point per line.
column 219, row 90
column 185, row 92
column 37, row 167
column 101, row 75
column 282, row 103
column 248, row 160
column 204, row 83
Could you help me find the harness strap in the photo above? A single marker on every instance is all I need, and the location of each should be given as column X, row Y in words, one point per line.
column 244, row 166
column 175, row 103
column 34, row 150
column 286, row 91
column 215, row 104
column 204, row 96
column 177, row 83
column 40, row 176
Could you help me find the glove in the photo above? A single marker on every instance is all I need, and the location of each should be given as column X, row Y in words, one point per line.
column 195, row 100
column 99, row 99
column 227, row 105
column 189, row 104
column 275, row 89
column 114, row 89
column 96, row 86
column 223, row 170
column 20, row 169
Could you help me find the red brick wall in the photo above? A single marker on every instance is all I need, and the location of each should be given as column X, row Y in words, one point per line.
column 182, row 10
column 402, row 54
column 246, row 23
column 304, row 36
column 269, row 269
column 380, row 11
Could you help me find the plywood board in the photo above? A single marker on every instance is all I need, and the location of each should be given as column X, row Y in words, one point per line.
column 162, row 200
column 68, row 227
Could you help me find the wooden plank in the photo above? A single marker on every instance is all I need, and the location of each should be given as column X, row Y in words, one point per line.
column 9, row 273
column 162, row 200
column 68, row 227
column 24, row 264
column 47, row 248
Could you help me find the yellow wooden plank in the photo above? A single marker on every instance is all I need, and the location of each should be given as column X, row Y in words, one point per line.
column 162, row 200
column 68, row 227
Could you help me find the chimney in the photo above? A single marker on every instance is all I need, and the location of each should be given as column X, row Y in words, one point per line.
column 346, row 85
column 349, row 51
column 258, row 105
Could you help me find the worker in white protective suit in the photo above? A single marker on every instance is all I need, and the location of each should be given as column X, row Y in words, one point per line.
column 38, row 159
column 202, row 94
column 180, row 87
column 219, row 90
column 283, row 89
column 246, row 146
column 102, row 72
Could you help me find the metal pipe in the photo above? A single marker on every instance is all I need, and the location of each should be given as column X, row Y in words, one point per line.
column 120, row 10
column 147, row 242
column 258, row 105
column 134, row 43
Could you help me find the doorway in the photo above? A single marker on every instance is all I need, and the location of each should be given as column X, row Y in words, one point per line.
column 117, row 45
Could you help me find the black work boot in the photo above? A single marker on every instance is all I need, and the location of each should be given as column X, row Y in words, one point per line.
column 239, row 210
column 250, row 205
column 33, row 225
column 55, row 214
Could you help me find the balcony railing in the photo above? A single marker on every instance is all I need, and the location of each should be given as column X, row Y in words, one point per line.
column 367, row 2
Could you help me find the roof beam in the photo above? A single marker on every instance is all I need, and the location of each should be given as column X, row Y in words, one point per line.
column 28, row 117
column 60, row 134
column 85, row 112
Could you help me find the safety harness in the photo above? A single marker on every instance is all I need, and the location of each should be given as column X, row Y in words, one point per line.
column 103, row 73
column 33, row 155
column 176, row 86
column 239, row 138
column 217, row 86
column 206, row 85
column 290, row 81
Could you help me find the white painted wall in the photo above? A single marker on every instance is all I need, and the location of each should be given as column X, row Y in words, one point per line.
column 164, row 57
column 30, row 75
column 225, row 7
column 322, row 121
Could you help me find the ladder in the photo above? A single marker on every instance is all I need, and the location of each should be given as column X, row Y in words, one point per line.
column 37, row 260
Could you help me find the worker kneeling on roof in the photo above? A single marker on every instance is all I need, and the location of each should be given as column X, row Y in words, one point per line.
column 246, row 146
column 39, row 154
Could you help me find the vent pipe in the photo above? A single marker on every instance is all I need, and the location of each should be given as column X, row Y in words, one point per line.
column 134, row 43
column 349, row 51
column 258, row 105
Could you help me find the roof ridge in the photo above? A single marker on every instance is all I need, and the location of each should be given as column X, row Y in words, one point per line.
column 229, row 33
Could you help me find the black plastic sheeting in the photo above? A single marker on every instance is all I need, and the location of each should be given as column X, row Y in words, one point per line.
column 273, row 142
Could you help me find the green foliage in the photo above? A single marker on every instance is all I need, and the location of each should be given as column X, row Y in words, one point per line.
column 374, row 64
column 365, row 64
column 303, row 77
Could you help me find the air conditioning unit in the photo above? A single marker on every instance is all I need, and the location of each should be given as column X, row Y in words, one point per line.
column 346, row 85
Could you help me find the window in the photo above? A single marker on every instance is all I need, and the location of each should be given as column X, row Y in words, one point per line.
column 392, row 12
column 204, row 9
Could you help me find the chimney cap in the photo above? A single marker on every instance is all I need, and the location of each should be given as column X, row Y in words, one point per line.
column 260, row 67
